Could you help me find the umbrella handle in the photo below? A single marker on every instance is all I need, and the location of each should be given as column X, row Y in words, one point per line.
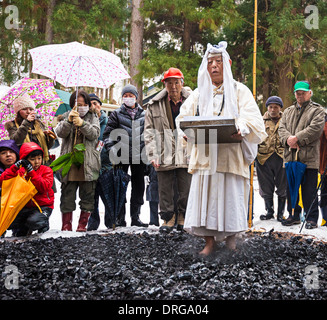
column 36, row 204
column 75, row 137
column 296, row 154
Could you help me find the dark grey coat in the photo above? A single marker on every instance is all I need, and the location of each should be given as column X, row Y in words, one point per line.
column 127, row 142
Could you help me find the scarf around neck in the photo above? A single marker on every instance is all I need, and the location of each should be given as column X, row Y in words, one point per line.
column 41, row 138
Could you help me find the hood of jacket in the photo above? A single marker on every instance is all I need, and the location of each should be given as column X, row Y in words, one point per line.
column 27, row 148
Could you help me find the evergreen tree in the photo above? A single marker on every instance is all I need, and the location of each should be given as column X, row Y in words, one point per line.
column 287, row 50
column 177, row 32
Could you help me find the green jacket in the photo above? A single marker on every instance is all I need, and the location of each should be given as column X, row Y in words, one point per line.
column 307, row 125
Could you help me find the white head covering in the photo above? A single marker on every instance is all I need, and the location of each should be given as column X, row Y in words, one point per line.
column 205, row 84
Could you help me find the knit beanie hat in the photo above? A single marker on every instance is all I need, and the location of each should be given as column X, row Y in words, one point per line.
column 93, row 96
column 130, row 89
column 22, row 102
column 274, row 99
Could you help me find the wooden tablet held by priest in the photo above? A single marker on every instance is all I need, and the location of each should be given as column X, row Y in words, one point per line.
column 207, row 130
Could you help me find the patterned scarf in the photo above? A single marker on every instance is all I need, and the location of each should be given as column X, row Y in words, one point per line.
column 41, row 138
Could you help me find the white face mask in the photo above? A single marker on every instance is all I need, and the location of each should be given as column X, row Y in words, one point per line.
column 82, row 110
column 129, row 101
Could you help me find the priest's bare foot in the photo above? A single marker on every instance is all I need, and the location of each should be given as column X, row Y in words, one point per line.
column 209, row 248
column 231, row 242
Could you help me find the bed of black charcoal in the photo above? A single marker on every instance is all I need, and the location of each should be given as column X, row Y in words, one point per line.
column 161, row 267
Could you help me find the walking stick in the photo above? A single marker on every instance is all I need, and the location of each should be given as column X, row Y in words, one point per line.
column 314, row 199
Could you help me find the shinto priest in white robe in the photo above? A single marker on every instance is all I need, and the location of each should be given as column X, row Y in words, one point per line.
column 219, row 193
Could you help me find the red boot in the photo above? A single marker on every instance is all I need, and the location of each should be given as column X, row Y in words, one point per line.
column 67, row 219
column 83, row 220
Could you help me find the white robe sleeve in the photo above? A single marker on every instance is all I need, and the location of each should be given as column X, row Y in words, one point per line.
column 250, row 123
column 188, row 108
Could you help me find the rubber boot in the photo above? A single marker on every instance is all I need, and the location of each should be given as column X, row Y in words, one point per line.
column 323, row 211
column 135, row 217
column 83, row 219
column 67, row 219
column 269, row 204
column 281, row 209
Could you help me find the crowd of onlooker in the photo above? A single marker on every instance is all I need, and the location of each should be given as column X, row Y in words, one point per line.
column 27, row 154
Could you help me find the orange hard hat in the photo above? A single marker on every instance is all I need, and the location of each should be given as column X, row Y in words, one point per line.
column 173, row 73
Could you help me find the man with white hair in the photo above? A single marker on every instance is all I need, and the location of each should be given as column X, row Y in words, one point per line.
column 159, row 137
column 218, row 199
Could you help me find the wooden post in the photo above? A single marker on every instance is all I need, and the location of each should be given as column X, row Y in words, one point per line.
column 250, row 209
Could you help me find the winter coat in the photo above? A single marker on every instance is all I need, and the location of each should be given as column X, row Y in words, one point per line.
column 19, row 134
column 272, row 143
column 128, row 142
column 159, row 136
column 42, row 179
column 9, row 144
column 307, row 125
column 91, row 132
column 323, row 148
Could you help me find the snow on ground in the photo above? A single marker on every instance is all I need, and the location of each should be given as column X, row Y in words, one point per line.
column 319, row 233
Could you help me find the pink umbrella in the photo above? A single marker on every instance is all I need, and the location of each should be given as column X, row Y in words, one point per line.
column 74, row 64
column 42, row 92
